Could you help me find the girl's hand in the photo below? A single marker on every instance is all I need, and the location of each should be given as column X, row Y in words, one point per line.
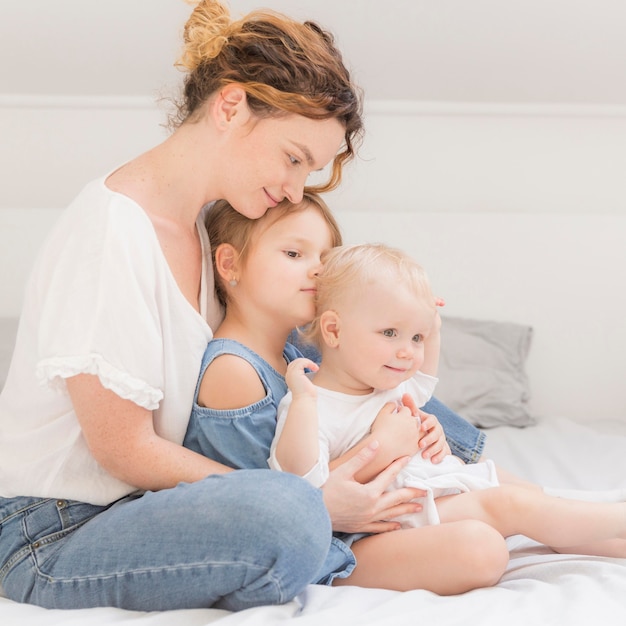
column 298, row 382
column 432, row 442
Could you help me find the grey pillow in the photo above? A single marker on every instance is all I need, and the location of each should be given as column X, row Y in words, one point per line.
column 481, row 371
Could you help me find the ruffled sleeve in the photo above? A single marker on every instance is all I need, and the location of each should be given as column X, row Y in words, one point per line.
column 103, row 300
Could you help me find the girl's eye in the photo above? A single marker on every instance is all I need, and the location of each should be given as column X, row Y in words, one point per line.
column 389, row 332
column 418, row 338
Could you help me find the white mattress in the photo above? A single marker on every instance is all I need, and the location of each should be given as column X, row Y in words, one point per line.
column 539, row 587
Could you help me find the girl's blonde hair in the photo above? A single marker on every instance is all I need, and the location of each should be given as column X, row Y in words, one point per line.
column 285, row 66
column 226, row 225
column 349, row 270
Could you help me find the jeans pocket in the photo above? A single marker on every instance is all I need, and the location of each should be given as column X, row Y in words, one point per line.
column 30, row 524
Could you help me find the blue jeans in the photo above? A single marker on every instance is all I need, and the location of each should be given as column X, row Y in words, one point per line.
column 235, row 541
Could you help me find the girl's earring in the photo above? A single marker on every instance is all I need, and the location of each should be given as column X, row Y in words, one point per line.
column 232, row 282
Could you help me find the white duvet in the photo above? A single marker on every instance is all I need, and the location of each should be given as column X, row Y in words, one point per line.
column 539, row 587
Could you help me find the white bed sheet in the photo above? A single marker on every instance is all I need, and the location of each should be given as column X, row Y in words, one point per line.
column 539, row 587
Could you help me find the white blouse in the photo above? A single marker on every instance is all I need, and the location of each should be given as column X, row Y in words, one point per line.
column 101, row 300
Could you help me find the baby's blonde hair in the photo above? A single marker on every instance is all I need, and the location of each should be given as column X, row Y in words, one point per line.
column 349, row 270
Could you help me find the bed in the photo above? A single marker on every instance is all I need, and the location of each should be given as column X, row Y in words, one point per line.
column 552, row 403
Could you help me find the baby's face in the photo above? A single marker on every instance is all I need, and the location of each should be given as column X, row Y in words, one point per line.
column 382, row 335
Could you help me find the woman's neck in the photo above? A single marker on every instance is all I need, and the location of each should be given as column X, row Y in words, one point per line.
column 172, row 181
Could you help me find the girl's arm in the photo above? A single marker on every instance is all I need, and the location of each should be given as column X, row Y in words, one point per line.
column 297, row 448
column 121, row 436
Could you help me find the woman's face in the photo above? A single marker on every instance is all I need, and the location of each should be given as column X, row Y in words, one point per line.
column 269, row 159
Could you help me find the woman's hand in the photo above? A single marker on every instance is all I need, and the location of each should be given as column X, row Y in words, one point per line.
column 432, row 442
column 356, row 507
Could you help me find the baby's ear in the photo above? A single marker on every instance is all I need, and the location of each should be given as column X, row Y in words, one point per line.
column 227, row 261
column 330, row 323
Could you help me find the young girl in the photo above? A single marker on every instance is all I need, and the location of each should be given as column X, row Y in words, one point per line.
column 266, row 273
column 377, row 327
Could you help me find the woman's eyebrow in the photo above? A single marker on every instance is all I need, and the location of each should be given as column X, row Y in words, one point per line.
column 307, row 153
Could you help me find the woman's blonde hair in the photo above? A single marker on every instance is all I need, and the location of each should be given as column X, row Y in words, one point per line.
column 349, row 270
column 285, row 66
column 225, row 225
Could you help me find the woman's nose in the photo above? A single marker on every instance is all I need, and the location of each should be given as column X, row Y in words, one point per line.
column 294, row 187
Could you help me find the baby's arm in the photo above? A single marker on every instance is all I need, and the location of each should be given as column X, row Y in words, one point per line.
column 396, row 431
column 432, row 347
column 297, row 448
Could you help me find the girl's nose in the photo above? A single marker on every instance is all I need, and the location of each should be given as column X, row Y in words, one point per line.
column 315, row 269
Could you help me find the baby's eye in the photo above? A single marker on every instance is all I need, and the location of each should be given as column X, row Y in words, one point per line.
column 389, row 332
column 418, row 338
column 294, row 254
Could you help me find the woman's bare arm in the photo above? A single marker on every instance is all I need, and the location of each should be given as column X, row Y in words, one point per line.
column 121, row 436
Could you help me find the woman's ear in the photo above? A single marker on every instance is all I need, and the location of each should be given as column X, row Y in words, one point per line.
column 231, row 106
column 329, row 327
column 227, row 262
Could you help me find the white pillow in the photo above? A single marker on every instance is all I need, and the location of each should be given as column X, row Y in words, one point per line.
column 481, row 371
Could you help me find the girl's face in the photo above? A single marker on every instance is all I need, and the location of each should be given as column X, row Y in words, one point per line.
column 381, row 337
column 279, row 276
column 270, row 159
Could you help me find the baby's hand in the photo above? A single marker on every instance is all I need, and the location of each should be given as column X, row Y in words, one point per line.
column 397, row 431
column 297, row 380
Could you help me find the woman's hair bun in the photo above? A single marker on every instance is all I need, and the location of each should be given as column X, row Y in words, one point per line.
column 206, row 32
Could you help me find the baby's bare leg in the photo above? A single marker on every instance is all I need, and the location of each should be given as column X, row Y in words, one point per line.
column 556, row 522
column 446, row 559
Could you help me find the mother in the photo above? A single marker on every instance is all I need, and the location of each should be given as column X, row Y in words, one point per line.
column 100, row 504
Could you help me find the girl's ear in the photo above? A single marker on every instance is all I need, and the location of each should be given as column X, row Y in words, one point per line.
column 231, row 106
column 330, row 323
column 227, row 262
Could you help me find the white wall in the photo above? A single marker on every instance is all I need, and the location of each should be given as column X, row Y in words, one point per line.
column 499, row 158
column 415, row 157
column 518, row 213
